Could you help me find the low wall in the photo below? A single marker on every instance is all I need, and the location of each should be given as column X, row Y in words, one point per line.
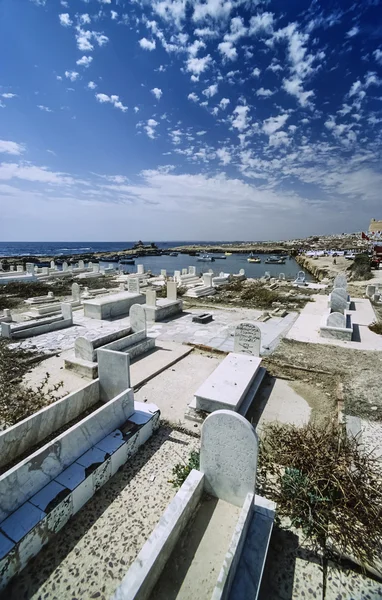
column 86, row 348
column 318, row 272
column 17, row 439
column 150, row 562
column 28, row 477
column 38, row 329
column 126, row 342
column 160, row 312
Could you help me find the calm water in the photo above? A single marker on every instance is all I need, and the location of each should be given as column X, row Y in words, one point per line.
column 232, row 264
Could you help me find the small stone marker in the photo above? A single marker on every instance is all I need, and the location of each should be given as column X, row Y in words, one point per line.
column 301, row 276
column 52, row 264
column 45, row 270
column 337, row 303
column 96, row 268
column 50, row 295
column 30, row 268
column 336, row 319
column 137, row 318
column 340, row 281
column 281, row 276
column 151, row 298
column 64, row 266
column 376, row 297
column 76, row 292
column 81, row 264
column 184, row 272
column 133, row 285
column 267, row 275
column 163, row 273
column 66, row 310
column 177, row 275
column 228, row 456
column 12, row 268
column 140, row 270
column 172, row 291
column 370, row 290
column 122, row 287
column 192, row 270
column 242, row 272
column 207, row 279
column 247, row 339
column 20, row 268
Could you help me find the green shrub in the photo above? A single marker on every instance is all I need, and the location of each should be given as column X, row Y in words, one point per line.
column 360, row 269
column 181, row 471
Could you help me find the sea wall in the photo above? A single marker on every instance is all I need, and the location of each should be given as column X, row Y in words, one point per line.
column 318, row 271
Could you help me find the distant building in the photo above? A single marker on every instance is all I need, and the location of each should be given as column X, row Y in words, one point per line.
column 375, row 226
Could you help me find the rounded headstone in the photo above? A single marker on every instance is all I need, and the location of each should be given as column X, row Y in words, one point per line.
column 228, row 456
column 336, row 319
column 337, row 303
column 247, row 339
column 370, row 290
column 137, row 318
column 340, row 281
column 341, row 292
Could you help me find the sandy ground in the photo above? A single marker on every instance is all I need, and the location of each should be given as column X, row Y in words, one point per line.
column 194, row 566
column 91, row 555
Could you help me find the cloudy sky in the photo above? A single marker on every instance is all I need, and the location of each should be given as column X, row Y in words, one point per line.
column 189, row 119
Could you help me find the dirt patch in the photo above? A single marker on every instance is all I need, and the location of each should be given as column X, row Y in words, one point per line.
column 324, row 367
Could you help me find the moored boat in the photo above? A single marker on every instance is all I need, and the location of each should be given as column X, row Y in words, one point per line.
column 228, row 253
column 275, row 260
column 205, row 258
column 253, row 259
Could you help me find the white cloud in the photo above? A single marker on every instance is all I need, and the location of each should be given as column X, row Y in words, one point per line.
column 72, row 75
column 150, row 128
column 261, row 23
column 113, row 99
column 228, row 51
column 256, row 72
column 84, row 61
column 193, row 97
column 211, row 90
column 198, row 65
column 147, row 44
column 9, row 147
column 353, row 31
column 206, row 32
column 29, row 172
column 65, row 20
column 238, row 30
column 92, row 85
column 274, row 123
column 136, row 109
column 157, row 93
column 44, row 108
column 8, row 95
column 85, row 19
column 224, row 156
column 195, row 47
column 378, row 55
column 84, row 39
column 224, row 103
column 114, row 15
column 241, row 120
column 264, row 93
column 294, row 88
column 280, row 138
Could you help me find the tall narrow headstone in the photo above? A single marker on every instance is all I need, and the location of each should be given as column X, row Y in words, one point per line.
column 20, row 268
column 30, row 268
column 12, row 268
column 52, row 264
column 370, row 290
column 151, row 298
column 177, row 275
column 341, row 292
column 133, row 285
column 207, row 279
column 192, row 270
column 137, row 318
column 140, row 269
column 228, row 456
column 45, row 270
column 66, row 310
column 337, row 303
column 184, row 272
column 81, row 264
column 96, row 268
column 65, row 266
column 172, row 290
column 267, row 275
column 163, row 273
column 247, row 339
column 76, row 292
column 281, row 276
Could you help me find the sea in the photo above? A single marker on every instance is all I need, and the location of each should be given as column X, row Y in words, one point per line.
column 230, row 264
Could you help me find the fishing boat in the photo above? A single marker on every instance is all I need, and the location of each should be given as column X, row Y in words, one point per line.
column 205, row 258
column 127, row 261
column 173, row 254
column 253, row 259
column 228, row 253
column 220, row 257
column 275, row 260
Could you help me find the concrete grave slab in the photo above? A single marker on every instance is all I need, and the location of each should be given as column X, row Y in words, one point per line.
column 247, row 339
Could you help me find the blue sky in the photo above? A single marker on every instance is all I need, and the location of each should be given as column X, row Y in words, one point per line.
column 189, row 119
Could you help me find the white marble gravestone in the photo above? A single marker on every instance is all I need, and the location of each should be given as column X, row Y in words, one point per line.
column 140, row 270
column 242, row 272
column 247, row 339
column 151, row 298
column 184, row 272
column 207, row 279
column 81, row 264
column 133, row 285
column 52, row 264
column 65, row 266
column 336, row 319
column 163, row 273
column 137, row 318
column 177, row 275
column 281, row 276
column 337, row 303
column 340, row 281
column 96, row 268
column 172, row 292
column 370, row 290
column 192, row 270
column 228, row 456
column 341, row 292
column 76, row 292
column 267, row 275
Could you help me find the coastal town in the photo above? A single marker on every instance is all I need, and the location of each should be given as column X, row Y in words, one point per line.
column 146, row 423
